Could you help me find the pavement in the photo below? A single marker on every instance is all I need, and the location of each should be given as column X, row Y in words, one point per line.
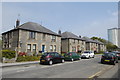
column 18, row 63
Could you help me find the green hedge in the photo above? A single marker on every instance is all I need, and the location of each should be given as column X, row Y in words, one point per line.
column 27, row 58
column 8, row 54
column 100, row 52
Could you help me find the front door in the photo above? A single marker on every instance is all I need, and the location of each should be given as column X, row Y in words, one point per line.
column 43, row 48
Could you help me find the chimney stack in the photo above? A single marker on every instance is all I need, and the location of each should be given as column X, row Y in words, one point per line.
column 17, row 23
column 59, row 32
column 79, row 36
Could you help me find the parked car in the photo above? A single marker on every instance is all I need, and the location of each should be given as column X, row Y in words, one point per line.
column 72, row 56
column 51, row 57
column 87, row 54
column 109, row 57
column 118, row 54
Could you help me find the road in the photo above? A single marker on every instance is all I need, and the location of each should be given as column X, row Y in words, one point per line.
column 84, row 68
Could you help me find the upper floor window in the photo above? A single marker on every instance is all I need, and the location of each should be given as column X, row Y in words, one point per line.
column 44, row 36
column 10, row 34
column 32, row 35
column 82, row 43
column 78, row 41
column 74, row 41
column 53, row 39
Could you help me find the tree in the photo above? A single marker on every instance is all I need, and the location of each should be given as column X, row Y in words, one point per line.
column 110, row 46
column 100, row 39
column 0, row 44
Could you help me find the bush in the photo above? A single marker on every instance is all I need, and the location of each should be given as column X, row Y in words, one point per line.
column 39, row 54
column 8, row 54
column 22, row 54
column 27, row 58
column 63, row 53
column 100, row 52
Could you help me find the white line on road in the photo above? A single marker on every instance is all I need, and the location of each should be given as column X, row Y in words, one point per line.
column 20, row 70
column 101, row 71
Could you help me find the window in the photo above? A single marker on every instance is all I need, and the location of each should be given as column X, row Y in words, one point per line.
column 44, row 36
column 73, row 49
column 55, row 48
column 9, row 45
column 29, row 47
column 82, row 43
column 4, row 46
column 57, row 55
column 51, row 48
column 74, row 41
column 53, row 39
column 78, row 41
column 11, row 35
column 34, row 47
column 20, row 44
column 32, row 35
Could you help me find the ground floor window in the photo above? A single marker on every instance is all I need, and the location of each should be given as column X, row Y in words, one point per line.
column 55, row 48
column 28, row 47
column 73, row 49
column 34, row 47
column 51, row 47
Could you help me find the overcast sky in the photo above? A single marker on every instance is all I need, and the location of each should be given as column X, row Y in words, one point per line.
column 81, row 18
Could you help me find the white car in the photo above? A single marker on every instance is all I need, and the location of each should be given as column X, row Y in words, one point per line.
column 88, row 54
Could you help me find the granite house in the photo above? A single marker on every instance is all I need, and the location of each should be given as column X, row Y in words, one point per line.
column 31, row 37
column 72, row 43
column 94, row 45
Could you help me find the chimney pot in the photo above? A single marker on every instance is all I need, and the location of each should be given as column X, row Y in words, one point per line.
column 17, row 23
column 79, row 36
column 59, row 32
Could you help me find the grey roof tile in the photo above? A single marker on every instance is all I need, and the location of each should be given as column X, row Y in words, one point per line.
column 70, row 35
column 87, row 39
column 36, row 27
column 90, row 40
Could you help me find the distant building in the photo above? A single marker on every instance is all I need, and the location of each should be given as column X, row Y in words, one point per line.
column 113, row 36
column 31, row 37
column 119, row 38
column 94, row 45
column 72, row 43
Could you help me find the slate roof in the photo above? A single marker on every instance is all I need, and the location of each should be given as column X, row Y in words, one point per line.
column 69, row 35
column 99, row 42
column 90, row 40
column 31, row 26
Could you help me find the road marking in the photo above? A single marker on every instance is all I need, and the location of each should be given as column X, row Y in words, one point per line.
column 95, row 74
column 100, row 72
column 20, row 70
column 45, row 66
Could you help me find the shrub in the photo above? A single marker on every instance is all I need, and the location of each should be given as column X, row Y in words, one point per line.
column 22, row 54
column 39, row 54
column 63, row 53
column 8, row 54
column 27, row 58
column 100, row 52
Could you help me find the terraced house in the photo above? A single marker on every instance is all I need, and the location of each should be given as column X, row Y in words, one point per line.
column 94, row 45
column 72, row 43
column 31, row 37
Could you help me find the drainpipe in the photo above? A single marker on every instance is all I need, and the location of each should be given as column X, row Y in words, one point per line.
column 68, row 45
